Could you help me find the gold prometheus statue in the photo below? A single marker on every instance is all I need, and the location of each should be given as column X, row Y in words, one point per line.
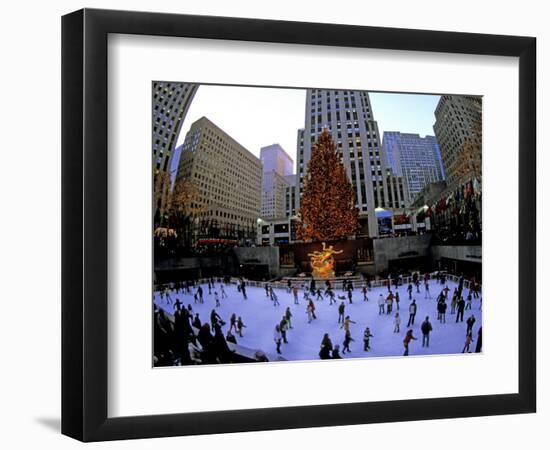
column 322, row 262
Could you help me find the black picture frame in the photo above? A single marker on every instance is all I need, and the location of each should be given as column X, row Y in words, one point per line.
column 84, row 224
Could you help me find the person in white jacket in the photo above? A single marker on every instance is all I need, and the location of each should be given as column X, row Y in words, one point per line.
column 397, row 323
column 381, row 303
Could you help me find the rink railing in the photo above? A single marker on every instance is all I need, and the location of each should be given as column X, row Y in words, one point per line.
column 336, row 284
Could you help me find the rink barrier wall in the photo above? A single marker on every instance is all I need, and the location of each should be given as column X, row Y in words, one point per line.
column 336, row 283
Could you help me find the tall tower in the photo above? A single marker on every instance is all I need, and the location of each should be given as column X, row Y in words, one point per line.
column 277, row 167
column 170, row 104
column 458, row 123
column 349, row 118
column 415, row 158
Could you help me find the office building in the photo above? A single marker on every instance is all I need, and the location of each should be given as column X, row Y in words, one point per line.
column 277, row 168
column 228, row 179
column 458, row 123
column 416, row 159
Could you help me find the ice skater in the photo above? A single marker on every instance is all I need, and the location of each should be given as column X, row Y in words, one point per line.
column 454, row 301
column 366, row 339
column 426, row 329
column 233, row 322
column 312, row 307
column 341, row 311
column 319, row 294
column 468, row 301
column 389, row 303
column 288, row 317
column 365, row 298
column 347, row 340
column 408, row 338
column 199, row 292
column 381, row 303
column 346, row 325
column 309, row 312
column 283, row 326
column 222, row 289
column 331, row 296
column 409, row 290
column 217, row 299
column 427, row 289
column 396, row 323
column 460, row 310
column 326, row 347
column 470, row 324
column 469, row 340
column 441, row 311
column 277, row 336
column 306, row 293
column 274, row 297
column 412, row 313
column 295, row 295
column 240, row 326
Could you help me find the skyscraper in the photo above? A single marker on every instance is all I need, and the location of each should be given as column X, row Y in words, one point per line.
column 227, row 177
column 458, row 122
column 275, row 158
column 414, row 158
column 349, row 118
column 277, row 168
column 170, row 104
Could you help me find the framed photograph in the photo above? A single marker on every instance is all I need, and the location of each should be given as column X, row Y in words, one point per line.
column 273, row 225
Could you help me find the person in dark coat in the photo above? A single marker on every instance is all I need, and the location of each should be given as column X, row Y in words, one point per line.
column 341, row 311
column 215, row 319
column 441, row 310
column 221, row 349
column 470, row 324
column 230, row 337
column 336, row 352
column 460, row 309
column 326, row 347
column 204, row 336
column 283, row 326
column 197, row 322
column 347, row 340
column 478, row 344
column 426, row 329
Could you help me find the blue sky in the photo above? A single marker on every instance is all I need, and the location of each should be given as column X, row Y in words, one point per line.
column 256, row 117
column 408, row 113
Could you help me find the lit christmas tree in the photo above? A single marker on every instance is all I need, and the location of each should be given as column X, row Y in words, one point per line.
column 327, row 208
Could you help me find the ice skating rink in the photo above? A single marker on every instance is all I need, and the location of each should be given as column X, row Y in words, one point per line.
column 304, row 339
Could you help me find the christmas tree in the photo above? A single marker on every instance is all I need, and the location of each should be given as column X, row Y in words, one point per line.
column 327, row 208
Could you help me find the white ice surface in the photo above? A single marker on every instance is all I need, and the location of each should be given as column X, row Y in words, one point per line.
column 260, row 318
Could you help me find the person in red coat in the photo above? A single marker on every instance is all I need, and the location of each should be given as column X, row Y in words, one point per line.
column 408, row 338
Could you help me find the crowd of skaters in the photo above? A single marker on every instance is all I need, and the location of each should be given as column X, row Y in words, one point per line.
column 214, row 342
